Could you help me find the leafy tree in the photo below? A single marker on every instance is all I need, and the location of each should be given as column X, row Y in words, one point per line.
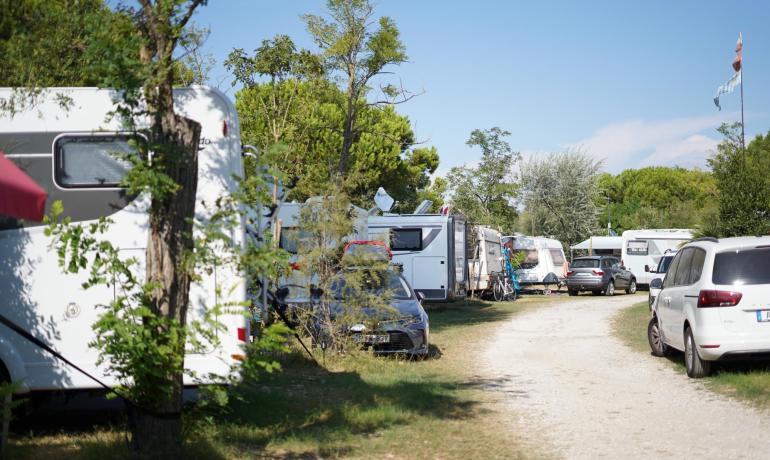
column 656, row 197
column 560, row 194
column 744, row 186
column 485, row 194
column 350, row 48
column 382, row 154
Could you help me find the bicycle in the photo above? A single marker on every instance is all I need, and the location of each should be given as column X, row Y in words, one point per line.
column 502, row 287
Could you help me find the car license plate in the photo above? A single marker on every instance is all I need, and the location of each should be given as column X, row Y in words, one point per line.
column 371, row 338
column 763, row 316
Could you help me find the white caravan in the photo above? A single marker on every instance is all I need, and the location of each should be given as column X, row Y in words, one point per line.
column 642, row 249
column 70, row 153
column 431, row 248
column 485, row 257
column 541, row 257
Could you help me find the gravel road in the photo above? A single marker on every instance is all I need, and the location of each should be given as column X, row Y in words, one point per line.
column 579, row 390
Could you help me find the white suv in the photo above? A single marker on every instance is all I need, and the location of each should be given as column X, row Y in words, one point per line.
column 714, row 303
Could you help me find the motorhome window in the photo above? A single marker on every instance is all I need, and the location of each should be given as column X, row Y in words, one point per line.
column 637, row 248
column 530, row 257
column 557, row 256
column 406, row 239
column 92, row 161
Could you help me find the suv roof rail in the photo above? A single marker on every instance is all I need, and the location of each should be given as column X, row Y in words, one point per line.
column 710, row 239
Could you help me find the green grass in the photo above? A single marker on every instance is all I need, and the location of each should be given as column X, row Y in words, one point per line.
column 748, row 382
column 352, row 407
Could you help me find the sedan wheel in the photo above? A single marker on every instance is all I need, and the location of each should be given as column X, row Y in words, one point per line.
column 610, row 290
column 696, row 367
column 631, row 289
column 658, row 347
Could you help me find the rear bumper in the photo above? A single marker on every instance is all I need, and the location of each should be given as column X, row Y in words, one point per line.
column 732, row 346
column 585, row 284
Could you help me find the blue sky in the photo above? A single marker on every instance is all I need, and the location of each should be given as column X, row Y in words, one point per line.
column 628, row 82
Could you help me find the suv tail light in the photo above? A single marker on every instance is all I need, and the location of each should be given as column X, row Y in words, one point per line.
column 710, row 298
column 598, row 272
column 571, row 272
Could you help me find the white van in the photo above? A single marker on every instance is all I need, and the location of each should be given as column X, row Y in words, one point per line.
column 642, row 250
column 485, row 257
column 542, row 257
column 70, row 154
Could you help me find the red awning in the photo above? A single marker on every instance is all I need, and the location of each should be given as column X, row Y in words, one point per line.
column 20, row 196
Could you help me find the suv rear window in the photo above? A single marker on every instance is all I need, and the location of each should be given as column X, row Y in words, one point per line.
column 744, row 266
column 585, row 263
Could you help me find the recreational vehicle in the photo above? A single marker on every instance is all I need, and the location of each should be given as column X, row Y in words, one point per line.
column 485, row 257
column 430, row 247
column 642, row 249
column 542, row 259
column 70, row 152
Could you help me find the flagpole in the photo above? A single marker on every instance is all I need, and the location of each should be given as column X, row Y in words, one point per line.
column 743, row 126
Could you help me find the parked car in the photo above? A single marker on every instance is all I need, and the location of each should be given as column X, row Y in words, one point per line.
column 599, row 274
column 714, row 303
column 402, row 328
column 660, row 271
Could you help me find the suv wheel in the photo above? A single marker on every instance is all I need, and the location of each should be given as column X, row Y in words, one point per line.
column 572, row 291
column 631, row 289
column 696, row 367
column 657, row 345
column 610, row 290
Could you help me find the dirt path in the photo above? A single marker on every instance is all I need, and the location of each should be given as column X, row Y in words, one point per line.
column 588, row 396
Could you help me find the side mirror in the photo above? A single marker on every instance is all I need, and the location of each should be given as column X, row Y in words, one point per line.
column 646, row 268
column 420, row 296
column 657, row 283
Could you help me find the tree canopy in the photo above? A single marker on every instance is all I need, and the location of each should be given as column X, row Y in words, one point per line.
column 485, row 193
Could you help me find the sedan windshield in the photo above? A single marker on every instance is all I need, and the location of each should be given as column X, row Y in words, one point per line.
column 585, row 263
column 375, row 283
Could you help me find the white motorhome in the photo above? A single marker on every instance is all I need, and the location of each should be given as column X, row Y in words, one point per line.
column 642, row 249
column 485, row 257
column 541, row 257
column 70, row 153
column 430, row 247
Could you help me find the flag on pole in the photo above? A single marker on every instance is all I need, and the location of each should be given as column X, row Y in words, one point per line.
column 735, row 80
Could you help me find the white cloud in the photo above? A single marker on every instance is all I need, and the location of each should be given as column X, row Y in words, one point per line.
column 637, row 143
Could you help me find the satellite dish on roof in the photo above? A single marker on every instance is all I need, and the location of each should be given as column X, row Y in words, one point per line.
column 383, row 200
column 423, row 207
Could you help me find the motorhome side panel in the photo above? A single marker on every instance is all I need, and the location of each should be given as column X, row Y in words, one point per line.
column 646, row 247
column 52, row 305
column 420, row 243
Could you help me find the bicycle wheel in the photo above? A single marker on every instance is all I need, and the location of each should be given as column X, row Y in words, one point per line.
column 498, row 290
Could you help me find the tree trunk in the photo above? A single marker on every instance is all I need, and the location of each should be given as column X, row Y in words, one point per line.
column 168, row 248
column 347, row 135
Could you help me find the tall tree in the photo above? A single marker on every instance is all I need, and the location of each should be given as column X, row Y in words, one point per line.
column 485, row 193
column 382, row 154
column 744, row 186
column 351, row 48
column 561, row 193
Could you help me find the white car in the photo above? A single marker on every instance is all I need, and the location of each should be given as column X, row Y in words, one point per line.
column 714, row 303
column 660, row 272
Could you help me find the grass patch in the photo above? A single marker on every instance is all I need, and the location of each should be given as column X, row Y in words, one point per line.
column 748, row 382
column 352, row 407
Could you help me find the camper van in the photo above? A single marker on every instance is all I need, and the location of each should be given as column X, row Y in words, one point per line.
column 542, row 259
column 430, row 247
column 485, row 257
column 70, row 152
column 642, row 249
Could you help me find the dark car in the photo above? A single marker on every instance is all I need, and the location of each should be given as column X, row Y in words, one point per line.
column 402, row 328
column 599, row 274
